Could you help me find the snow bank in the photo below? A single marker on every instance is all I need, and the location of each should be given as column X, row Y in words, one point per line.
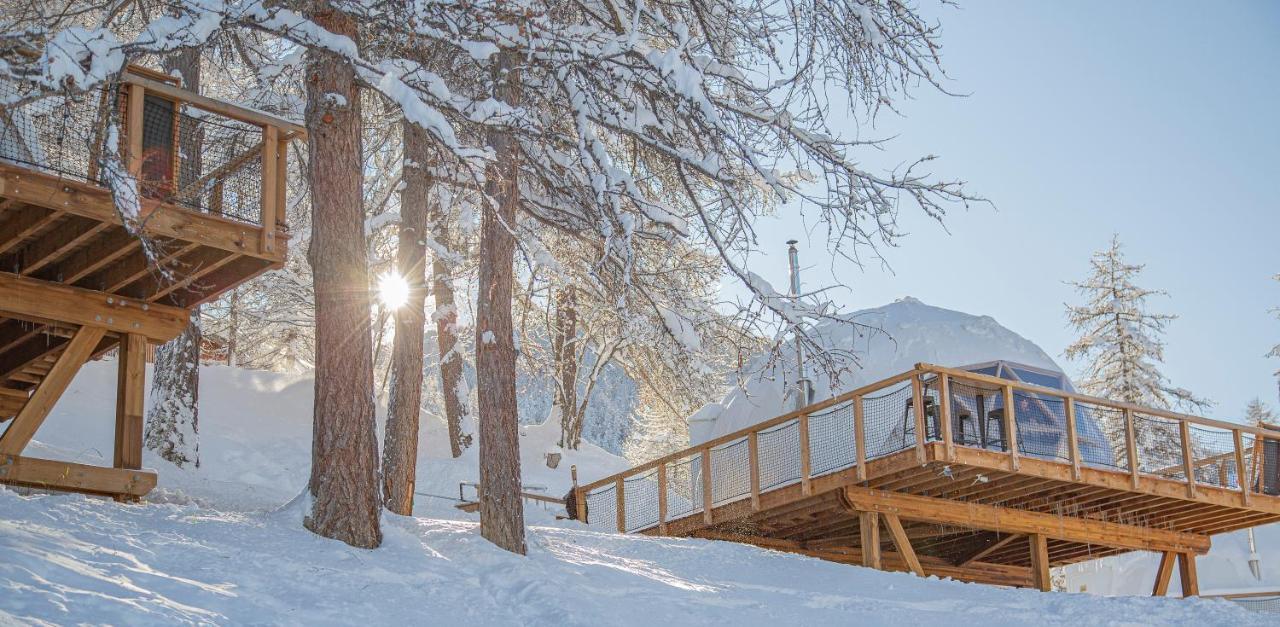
column 909, row 332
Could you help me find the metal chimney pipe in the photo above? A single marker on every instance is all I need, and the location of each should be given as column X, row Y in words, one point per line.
column 804, row 391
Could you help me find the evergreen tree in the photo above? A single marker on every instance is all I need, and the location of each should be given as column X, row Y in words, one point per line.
column 1258, row 413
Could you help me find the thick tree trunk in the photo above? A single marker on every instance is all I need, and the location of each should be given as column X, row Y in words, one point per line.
column 446, row 319
column 344, row 449
column 173, row 419
column 400, row 443
column 565, row 353
column 501, row 512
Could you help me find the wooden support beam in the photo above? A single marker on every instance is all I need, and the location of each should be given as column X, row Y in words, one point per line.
column 944, row 415
column 992, row 518
column 1242, row 472
column 136, row 95
column 267, row 197
column 28, row 420
column 1188, row 462
column 1010, row 427
column 131, row 377
column 1073, row 439
column 662, row 498
column 1131, row 444
column 56, row 244
column 620, row 502
column 903, row 543
column 1187, row 574
column 1164, row 574
column 869, row 532
column 97, row 255
column 72, row 477
column 860, row 437
column 753, row 460
column 707, row 497
column 23, row 224
column 980, row 554
column 1040, row 562
column 917, row 406
column 45, row 300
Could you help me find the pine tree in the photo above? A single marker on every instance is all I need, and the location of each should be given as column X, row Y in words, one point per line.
column 1120, row 342
column 344, row 453
column 1259, row 413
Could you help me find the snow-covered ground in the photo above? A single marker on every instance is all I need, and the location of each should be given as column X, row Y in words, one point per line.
column 222, row 545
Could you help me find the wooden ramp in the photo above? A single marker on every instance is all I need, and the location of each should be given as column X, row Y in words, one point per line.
column 1008, row 480
column 76, row 282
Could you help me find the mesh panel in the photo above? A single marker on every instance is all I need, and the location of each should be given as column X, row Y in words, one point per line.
column 889, row 423
column 220, row 166
column 1107, row 448
column 641, row 500
column 684, row 489
column 1159, row 443
column 54, row 134
column 1268, row 604
column 974, row 419
column 731, row 471
column 1268, row 473
column 602, row 506
column 1042, row 425
column 779, row 450
column 1214, row 452
column 831, row 440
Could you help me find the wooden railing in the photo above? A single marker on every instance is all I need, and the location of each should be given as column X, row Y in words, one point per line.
column 931, row 404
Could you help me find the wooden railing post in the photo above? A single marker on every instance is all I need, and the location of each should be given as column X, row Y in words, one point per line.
column 133, row 129
column 270, row 163
column 619, row 487
column 706, row 485
column 753, row 459
column 1188, row 463
column 1131, row 445
column 1242, row 473
column 944, row 415
column 917, row 405
column 579, row 495
column 860, row 438
column 806, row 464
column 1073, row 440
column 662, row 498
column 1011, row 427
column 282, row 183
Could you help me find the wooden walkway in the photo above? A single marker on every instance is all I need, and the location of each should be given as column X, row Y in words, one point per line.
column 847, row 480
column 76, row 283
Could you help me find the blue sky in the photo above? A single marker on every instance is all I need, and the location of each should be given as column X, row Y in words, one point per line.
column 1153, row 120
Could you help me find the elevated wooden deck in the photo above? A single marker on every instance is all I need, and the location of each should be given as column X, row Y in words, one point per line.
column 827, row 480
column 77, row 280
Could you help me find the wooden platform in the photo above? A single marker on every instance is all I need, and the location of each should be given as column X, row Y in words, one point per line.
column 76, row 282
column 940, row 507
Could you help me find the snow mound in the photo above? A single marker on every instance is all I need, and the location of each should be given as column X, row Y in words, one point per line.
column 886, row 341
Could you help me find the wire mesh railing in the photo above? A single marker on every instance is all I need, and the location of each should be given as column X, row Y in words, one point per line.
column 912, row 411
column 186, row 154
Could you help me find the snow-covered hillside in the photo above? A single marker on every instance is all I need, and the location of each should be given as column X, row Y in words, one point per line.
column 886, row 341
column 222, row 545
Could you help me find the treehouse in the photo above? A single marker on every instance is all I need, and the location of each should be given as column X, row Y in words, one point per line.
column 991, row 473
column 81, row 276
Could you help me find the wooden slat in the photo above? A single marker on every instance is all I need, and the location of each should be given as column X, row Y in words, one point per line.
column 620, row 502
column 944, row 415
column 860, row 437
column 1188, row 462
column 136, row 95
column 707, row 496
column 1010, row 426
column 52, row 246
column 917, row 406
column 980, row 554
column 903, row 543
column 1131, row 445
column 1241, row 470
column 45, row 300
column 72, row 477
column 753, row 459
column 94, row 257
column 662, row 498
column 23, row 223
column 48, row 392
column 806, row 463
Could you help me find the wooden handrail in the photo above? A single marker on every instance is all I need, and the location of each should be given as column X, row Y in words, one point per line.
column 225, row 109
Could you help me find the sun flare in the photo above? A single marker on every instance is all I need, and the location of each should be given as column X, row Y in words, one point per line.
column 393, row 290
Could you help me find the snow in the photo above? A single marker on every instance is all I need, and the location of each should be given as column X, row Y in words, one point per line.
column 887, row 340
column 223, row 544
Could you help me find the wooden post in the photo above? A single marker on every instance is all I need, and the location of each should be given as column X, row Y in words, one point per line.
column 133, row 129
column 753, row 459
column 860, row 438
column 1073, row 439
column 706, row 486
column 662, row 498
column 621, row 504
column 1187, row 573
column 903, row 543
column 1164, row 574
column 917, row 405
column 579, row 496
column 869, row 529
column 944, row 415
column 1010, row 427
column 806, row 464
column 1040, row 562
column 1131, row 443
column 282, row 183
column 131, row 367
column 1188, row 463
column 267, row 202
column 1242, row 473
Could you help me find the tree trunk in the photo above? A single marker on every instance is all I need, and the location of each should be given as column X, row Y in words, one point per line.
column 446, row 319
column 565, row 352
column 501, row 512
column 344, row 450
column 400, row 443
column 173, row 420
